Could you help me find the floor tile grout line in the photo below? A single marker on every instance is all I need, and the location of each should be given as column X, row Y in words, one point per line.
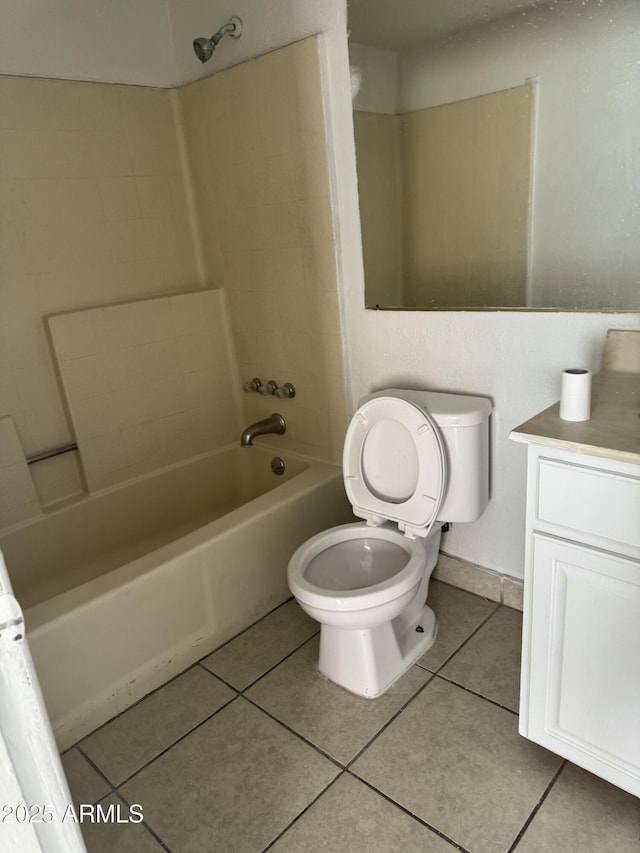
column 176, row 742
column 415, row 696
column 151, row 831
column 247, row 628
column 347, row 765
column 146, row 696
column 300, row 737
column 128, row 708
column 208, row 671
column 464, row 642
column 94, row 766
column 241, row 690
column 536, row 808
column 386, row 725
column 424, row 686
column 404, row 809
column 304, row 811
column 475, row 693
column 114, row 788
column 276, row 665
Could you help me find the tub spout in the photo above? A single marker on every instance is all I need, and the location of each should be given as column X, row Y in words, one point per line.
column 273, row 424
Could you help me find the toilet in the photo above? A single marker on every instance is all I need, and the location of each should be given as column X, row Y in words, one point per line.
column 412, row 461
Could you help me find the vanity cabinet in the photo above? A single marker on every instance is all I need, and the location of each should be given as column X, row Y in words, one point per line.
column 580, row 688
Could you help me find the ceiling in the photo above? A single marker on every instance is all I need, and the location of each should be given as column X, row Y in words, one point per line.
column 397, row 24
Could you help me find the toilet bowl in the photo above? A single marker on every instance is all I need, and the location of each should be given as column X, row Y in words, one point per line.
column 359, row 583
column 367, row 583
column 356, row 576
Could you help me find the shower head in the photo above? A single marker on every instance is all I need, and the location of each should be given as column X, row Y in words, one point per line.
column 204, row 47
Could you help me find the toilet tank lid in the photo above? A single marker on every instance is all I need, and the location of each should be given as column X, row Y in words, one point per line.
column 448, row 410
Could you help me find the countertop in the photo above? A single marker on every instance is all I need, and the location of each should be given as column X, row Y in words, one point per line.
column 613, row 430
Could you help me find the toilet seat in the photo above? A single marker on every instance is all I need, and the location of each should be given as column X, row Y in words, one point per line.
column 394, row 465
column 318, row 591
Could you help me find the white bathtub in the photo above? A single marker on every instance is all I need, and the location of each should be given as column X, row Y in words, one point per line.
column 125, row 589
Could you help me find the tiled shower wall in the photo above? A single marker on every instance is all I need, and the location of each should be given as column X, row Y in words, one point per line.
column 93, row 211
column 256, row 143
column 147, row 383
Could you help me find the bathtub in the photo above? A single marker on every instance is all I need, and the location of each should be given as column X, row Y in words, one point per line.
column 124, row 589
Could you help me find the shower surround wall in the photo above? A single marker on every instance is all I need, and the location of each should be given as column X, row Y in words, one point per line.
column 444, row 201
column 147, row 383
column 94, row 210
column 255, row 139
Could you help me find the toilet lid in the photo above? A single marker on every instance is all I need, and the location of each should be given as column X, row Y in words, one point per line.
column 394, row 465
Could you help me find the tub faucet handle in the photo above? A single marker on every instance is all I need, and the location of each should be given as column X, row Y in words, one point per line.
column 269, row 388
column 253, row 384
column 287, row 390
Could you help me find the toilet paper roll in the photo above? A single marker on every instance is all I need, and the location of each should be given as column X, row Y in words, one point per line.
column 575, row 394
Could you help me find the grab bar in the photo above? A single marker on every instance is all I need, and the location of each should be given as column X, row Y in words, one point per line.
column 49, row 454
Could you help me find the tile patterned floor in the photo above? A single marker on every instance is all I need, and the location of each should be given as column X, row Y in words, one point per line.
column 251, row 750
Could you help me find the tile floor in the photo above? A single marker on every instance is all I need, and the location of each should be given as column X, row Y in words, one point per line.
column 252, row 750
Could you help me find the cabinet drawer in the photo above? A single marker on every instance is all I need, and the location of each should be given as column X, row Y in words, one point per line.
column 589, row 500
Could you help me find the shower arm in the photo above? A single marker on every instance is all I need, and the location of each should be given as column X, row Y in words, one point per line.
column 229, row 28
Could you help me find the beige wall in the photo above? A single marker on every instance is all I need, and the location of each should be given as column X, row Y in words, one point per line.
column 147, row 383
column 460, row 226
column 378, row 147
column 256, row 143
column 92, row 211
column 466, row 200
column 94, row 190
column 18, row 498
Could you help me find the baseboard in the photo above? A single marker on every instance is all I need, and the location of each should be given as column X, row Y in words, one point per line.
column 485, row 582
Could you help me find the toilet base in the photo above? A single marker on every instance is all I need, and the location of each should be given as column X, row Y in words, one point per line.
column 368, row 661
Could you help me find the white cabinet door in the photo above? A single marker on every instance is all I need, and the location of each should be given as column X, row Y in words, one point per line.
column 584, row 696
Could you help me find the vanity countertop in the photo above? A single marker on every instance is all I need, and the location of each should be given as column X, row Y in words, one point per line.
column 613, row 430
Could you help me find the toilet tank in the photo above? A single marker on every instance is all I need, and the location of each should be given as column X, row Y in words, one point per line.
column 464, row 425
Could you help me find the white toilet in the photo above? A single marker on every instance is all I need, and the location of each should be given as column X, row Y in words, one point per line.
column 412, row 461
